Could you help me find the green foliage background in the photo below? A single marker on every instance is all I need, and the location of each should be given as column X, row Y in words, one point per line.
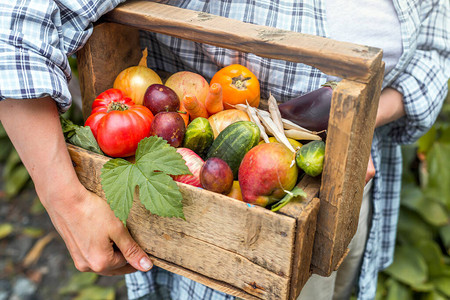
column 421, row 267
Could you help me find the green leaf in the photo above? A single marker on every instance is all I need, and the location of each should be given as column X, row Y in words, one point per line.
column 68, row 127
column 443, row 285
column 397, row 291
column 37, row 208
column 16, row 181
column 433, row 295
column 410, row 221
column 155, row 154
column 426, row 142
column 12, row 162
column 119, row 185
column 77, row 282
column 2, row 131
column 158, row 192
column 96, row 293
column 5, row 148
column 423, row 287
column 160, row 195
column 444, row 133
column 296, row 193
column 381, row 287
column 5, row 230
column 411, row 194
column 431, row 211
column 444, row 233
column 33, row 232
column 432, row 254
column 438, row 186
column 409, row 266
column 80, row 136
column 84, row 138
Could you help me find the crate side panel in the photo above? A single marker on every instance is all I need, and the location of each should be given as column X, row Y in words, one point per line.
column 110, row 49
column 305, row 212
column 350, row 133
column 240, row 235
column 212, row 283
column 204, row 256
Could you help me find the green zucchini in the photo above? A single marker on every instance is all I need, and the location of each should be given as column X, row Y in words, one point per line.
column 234, row 142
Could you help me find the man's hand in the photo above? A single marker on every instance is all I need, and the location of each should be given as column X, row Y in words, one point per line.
column 370, row 170
column 390, row 108
column 95, row 238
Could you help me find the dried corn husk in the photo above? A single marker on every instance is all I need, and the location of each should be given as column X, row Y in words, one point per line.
column 287, row 125
column 272, row 128
column 275, row 112
column 301, row 135
column 251, row 111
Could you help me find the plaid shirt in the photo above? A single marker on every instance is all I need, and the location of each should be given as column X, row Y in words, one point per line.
column 37, row 35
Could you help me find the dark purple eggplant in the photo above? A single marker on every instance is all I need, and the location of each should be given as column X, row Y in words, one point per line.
column 311, row 110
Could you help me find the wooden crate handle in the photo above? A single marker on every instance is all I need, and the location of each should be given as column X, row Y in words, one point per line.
column 342, row 59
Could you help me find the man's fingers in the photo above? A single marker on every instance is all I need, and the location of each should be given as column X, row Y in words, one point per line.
column 370, row 170
column 127, row 269
column 131, row 251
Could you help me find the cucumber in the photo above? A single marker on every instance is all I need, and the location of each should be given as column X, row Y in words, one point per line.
column 199, row 136
column 310, row 158
column 234, row 142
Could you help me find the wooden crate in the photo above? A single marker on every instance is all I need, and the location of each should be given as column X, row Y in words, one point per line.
column 243, row 250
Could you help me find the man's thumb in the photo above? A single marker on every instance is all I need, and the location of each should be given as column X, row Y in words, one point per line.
column 134, row 254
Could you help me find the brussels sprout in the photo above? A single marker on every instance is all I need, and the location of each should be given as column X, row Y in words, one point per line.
column 309, row 157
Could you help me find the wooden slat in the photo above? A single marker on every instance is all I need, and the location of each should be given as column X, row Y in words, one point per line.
column 231, row 236
column 212, row 283
column 110, row 49
column 350, row 131
column 346, row 60
column 305, row 211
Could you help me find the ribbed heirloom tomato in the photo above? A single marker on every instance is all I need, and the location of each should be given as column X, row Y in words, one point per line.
column 118, row 124
column 239, row 85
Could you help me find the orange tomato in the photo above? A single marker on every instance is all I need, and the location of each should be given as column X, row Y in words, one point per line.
column 239, row 85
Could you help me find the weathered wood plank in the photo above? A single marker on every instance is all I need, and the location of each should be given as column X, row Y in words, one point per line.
column 341, row 59
column 111, row 49
column 215, row 284
column 233, row 237
column 305, row 211
column 350, row 131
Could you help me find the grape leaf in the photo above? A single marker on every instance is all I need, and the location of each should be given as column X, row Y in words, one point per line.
column 158, row 192
column 119, row 186
column 158, row 155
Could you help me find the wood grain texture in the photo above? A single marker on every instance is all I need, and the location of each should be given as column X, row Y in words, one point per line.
column 350, row 132
column 305, row 211
column 346, row 60
column 222, row 239
column 110, row 49
column 212, row 283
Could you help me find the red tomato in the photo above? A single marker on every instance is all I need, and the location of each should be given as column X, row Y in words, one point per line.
column 118, row 124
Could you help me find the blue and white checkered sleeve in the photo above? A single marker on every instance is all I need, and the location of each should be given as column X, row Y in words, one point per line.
column 35, row 38
column 424, row 82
